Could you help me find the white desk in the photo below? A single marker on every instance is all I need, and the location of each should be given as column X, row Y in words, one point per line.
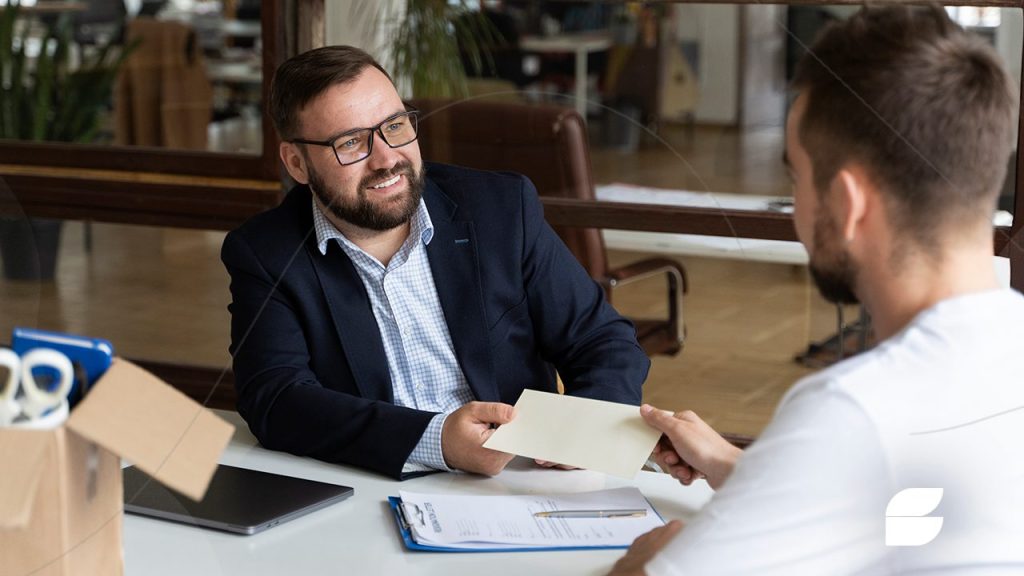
column 580, row 44
column 358, row 535
column 781, row 251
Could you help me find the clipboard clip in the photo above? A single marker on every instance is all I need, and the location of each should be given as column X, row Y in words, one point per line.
column 406, row 510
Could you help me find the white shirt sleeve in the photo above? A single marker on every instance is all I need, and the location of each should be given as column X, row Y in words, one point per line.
column 428, row 451
column 807, row 498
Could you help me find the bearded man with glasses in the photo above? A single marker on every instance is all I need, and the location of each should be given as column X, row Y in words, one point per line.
column 389, row 312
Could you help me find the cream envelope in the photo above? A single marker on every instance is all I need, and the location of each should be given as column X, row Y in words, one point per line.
column 592, row 434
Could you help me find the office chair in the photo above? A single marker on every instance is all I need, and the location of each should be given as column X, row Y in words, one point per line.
column 549, row 145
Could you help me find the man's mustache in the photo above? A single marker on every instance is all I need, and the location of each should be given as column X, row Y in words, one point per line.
column 381, row 175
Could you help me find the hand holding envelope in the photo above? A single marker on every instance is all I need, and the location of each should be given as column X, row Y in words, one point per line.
column 592, row 434
column 691, row 447
column 466, row 428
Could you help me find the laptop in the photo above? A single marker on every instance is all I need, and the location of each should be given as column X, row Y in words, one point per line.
column 238, row 500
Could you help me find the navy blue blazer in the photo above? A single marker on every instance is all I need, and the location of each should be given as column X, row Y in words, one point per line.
column 310, row 369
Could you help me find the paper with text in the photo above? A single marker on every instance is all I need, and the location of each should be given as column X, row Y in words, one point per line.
column 592, row 434
column 488, row 522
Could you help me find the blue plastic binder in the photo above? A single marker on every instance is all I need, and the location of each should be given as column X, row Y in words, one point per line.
column 403, row 528
column 90, row 356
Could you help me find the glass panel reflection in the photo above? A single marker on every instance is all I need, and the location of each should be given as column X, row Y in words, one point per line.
column 190, row 78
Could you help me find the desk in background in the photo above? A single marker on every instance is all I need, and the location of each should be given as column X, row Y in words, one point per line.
column 780, row 251
column 359, row 536
column 580, row 44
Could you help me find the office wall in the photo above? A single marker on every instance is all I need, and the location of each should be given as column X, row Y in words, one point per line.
column 363, row 23
column 716, row 30
column 1009, row 37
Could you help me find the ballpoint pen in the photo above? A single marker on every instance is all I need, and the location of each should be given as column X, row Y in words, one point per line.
column 627, row 513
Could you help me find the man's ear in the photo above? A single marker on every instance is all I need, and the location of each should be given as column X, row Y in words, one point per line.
column 849, row 192
column 294, row 161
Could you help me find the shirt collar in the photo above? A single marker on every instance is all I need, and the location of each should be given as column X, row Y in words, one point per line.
column 421, row 226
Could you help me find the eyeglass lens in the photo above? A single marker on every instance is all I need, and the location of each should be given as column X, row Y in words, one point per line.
column 397, row 131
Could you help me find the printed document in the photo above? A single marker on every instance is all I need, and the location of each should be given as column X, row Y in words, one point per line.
column 489, row 522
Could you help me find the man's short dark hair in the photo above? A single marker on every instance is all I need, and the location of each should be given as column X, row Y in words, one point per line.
column 302, row 78
column 925, row 107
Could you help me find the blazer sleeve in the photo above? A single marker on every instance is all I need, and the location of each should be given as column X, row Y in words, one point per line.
column 591, row 345
column 279, row 394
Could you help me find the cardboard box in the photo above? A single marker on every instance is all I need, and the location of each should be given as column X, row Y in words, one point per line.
column 61, row 499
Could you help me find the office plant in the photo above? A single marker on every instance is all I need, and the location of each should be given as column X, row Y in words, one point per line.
column 427, row 41
column 47, row 97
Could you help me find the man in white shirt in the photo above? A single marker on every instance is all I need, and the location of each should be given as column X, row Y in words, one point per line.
column 896, row 145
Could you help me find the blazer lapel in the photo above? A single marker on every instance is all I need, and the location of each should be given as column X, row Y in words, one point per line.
column 353, row 321
column 454, row 263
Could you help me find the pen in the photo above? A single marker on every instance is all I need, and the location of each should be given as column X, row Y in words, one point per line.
column 628, row 513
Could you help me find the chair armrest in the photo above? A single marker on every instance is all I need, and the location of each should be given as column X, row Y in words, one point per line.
column 646, row 268
column 677, row 286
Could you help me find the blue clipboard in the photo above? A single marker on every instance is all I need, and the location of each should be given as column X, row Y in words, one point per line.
column 403, row 529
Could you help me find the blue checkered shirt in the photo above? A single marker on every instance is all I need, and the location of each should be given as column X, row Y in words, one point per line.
column 425, row 374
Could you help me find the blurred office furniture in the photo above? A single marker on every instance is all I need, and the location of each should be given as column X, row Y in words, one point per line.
column 151, row 7
column 581, row 44
column 549, row 145
column 163, row 97
column 101, row 20
column 648, row 78
column 502, row 54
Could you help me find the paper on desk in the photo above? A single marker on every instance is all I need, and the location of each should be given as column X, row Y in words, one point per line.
column 592, row 434
column 489, row 522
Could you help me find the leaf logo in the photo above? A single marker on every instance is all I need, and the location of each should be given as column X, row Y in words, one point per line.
column 907, row 520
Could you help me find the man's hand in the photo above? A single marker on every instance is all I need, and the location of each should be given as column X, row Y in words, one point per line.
column 465, row 432
column 644, row 548
column 546, row 464
column 690, row 446
column 670, row 462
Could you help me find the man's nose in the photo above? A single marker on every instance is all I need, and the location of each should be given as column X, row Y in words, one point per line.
column 382, row 156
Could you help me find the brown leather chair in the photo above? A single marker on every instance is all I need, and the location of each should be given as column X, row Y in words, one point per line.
column 549, row 145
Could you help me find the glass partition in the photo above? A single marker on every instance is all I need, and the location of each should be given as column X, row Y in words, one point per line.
column 681, row 100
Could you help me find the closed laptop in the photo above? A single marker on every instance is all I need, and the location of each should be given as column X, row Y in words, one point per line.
column 238, row 500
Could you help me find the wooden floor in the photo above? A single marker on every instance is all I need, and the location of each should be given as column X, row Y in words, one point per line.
column 163, row 294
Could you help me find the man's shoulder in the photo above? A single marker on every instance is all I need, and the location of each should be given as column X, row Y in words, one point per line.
column 279, row 226
column 494, row 196
column 949, row 358
column 449, row 176
column 295, row 205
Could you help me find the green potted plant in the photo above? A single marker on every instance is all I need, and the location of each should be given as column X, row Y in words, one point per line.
column 428, row 44
column 46, row 98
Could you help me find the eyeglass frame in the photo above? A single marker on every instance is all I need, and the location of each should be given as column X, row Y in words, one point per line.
column 411, row 112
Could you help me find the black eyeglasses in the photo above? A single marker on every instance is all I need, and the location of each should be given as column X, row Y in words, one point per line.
column 356, row 145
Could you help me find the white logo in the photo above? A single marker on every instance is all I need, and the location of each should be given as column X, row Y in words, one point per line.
column 907, row 520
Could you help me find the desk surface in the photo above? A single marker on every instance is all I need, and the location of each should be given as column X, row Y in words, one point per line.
column 780, row 251
column 358, row 536
column 567, row 42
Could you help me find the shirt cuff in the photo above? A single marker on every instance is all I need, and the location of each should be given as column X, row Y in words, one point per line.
column 428, row 451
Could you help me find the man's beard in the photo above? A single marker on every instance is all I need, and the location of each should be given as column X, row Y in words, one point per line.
column 363, row 212
column 833, row 272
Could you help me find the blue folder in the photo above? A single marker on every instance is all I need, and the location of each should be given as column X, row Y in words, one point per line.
column 90, row 357
column 411, row 544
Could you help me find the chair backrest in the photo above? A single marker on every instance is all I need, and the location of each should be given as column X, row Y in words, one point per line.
column 548, row 144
